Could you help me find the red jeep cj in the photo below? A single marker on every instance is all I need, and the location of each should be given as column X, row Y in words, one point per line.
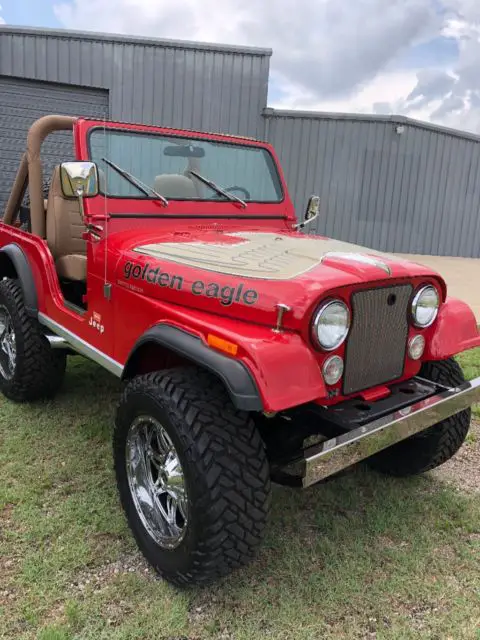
column 249, row 351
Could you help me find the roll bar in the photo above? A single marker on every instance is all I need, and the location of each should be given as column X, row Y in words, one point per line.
column 30, row 170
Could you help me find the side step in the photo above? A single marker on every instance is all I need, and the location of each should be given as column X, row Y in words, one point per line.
column 56, row 342
column 331, row 456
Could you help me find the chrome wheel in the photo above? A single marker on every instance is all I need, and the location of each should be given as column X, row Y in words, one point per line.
column 155, row 478
column 8, row 345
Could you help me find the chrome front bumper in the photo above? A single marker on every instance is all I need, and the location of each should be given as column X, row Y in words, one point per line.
column 331, row 456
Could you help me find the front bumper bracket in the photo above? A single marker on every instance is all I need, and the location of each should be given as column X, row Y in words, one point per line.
column 331, row 456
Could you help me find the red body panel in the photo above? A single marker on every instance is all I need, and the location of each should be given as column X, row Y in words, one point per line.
column 455, row 331
column 274, row 359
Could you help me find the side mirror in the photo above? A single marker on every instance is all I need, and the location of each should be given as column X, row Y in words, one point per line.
column 79, row 179
column 312, row 212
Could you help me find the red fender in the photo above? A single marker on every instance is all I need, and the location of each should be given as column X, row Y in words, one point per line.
column 455, row 331
column 274, row 360
column 286, row 371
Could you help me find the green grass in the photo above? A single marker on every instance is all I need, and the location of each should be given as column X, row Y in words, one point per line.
column 362, row 556
column 470, row 361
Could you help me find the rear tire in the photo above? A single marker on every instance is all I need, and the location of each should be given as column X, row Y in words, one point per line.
column 181, row 448
column 436, row 445
column 29, row 368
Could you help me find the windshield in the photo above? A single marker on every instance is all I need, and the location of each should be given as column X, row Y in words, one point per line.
column 164, row 163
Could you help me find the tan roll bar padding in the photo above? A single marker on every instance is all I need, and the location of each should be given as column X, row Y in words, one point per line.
column 31, row 162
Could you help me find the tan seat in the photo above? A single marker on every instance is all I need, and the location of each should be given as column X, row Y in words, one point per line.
column 174, row 185
column 64, row 232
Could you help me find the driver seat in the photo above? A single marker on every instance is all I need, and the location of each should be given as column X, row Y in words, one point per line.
column 174, row 185
column 65, row 229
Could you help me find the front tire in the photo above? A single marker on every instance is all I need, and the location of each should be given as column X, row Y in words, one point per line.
column 29, row 368
column 192, row 475
column 434, row 446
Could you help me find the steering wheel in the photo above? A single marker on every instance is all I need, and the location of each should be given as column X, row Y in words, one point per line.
column 246, row 193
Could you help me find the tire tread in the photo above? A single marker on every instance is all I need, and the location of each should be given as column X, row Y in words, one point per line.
column 436, row 445
column 41, row 369
column 227, row 455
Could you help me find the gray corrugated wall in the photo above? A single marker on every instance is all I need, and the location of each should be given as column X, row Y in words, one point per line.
column 414, row 192
column 187, row 85
column 21, row 102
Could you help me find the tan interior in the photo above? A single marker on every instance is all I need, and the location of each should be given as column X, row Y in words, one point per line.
column 174, row 185
column 64, row 232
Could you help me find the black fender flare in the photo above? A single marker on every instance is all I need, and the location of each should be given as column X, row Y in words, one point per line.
column 237, row 379
column 24, row 274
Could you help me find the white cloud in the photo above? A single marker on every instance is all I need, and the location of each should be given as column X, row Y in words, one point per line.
column 385, row 94
column 2, row 21
column 385, row 88
column 325, row 47
column 452, row 96
column 328, row 54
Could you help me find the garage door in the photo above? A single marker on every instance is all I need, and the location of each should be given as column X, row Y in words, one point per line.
column 21, row 103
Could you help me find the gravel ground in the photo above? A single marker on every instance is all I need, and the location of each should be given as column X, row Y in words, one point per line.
column 463, row 470
column 97, row 578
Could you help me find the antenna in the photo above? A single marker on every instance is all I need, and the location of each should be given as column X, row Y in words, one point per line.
column 107, row 287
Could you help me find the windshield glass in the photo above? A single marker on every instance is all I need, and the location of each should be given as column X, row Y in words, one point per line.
column 164, row 163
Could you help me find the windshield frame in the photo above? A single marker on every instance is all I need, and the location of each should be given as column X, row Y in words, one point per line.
column 196, row 135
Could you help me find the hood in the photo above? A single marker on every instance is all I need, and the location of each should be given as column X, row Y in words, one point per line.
column 230, row 272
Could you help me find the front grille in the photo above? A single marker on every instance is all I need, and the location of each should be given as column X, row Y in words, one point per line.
column 376, row 345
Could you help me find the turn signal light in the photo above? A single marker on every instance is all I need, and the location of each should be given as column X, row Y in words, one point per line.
column 416, row 347
column 332, row 369
column 222, row 345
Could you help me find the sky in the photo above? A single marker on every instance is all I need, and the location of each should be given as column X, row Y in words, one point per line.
column 419, row 58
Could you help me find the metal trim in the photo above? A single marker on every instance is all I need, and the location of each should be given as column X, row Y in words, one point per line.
column 394, row 119
column 416, row 298
column 341, row 452
column 98, row 36
column 316, row 318
column 56, row 342
column 82, row 347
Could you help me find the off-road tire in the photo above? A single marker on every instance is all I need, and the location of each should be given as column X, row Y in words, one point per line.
column 433, row 447
column 225, row 469
column 39, row 370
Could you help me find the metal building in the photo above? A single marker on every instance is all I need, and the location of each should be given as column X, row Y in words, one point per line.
column 190, row 85
column 385, row 182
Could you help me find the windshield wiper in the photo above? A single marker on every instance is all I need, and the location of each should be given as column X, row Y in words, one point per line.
column 218, row 189
column 141, row 186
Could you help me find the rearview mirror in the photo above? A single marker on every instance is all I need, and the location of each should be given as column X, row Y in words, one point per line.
column 184, row 151
column 79, row 179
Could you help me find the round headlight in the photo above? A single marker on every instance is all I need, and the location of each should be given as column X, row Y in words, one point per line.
column 425, row 306
column 331, row 324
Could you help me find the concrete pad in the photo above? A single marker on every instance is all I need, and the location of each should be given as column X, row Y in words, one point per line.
column 462, row 276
